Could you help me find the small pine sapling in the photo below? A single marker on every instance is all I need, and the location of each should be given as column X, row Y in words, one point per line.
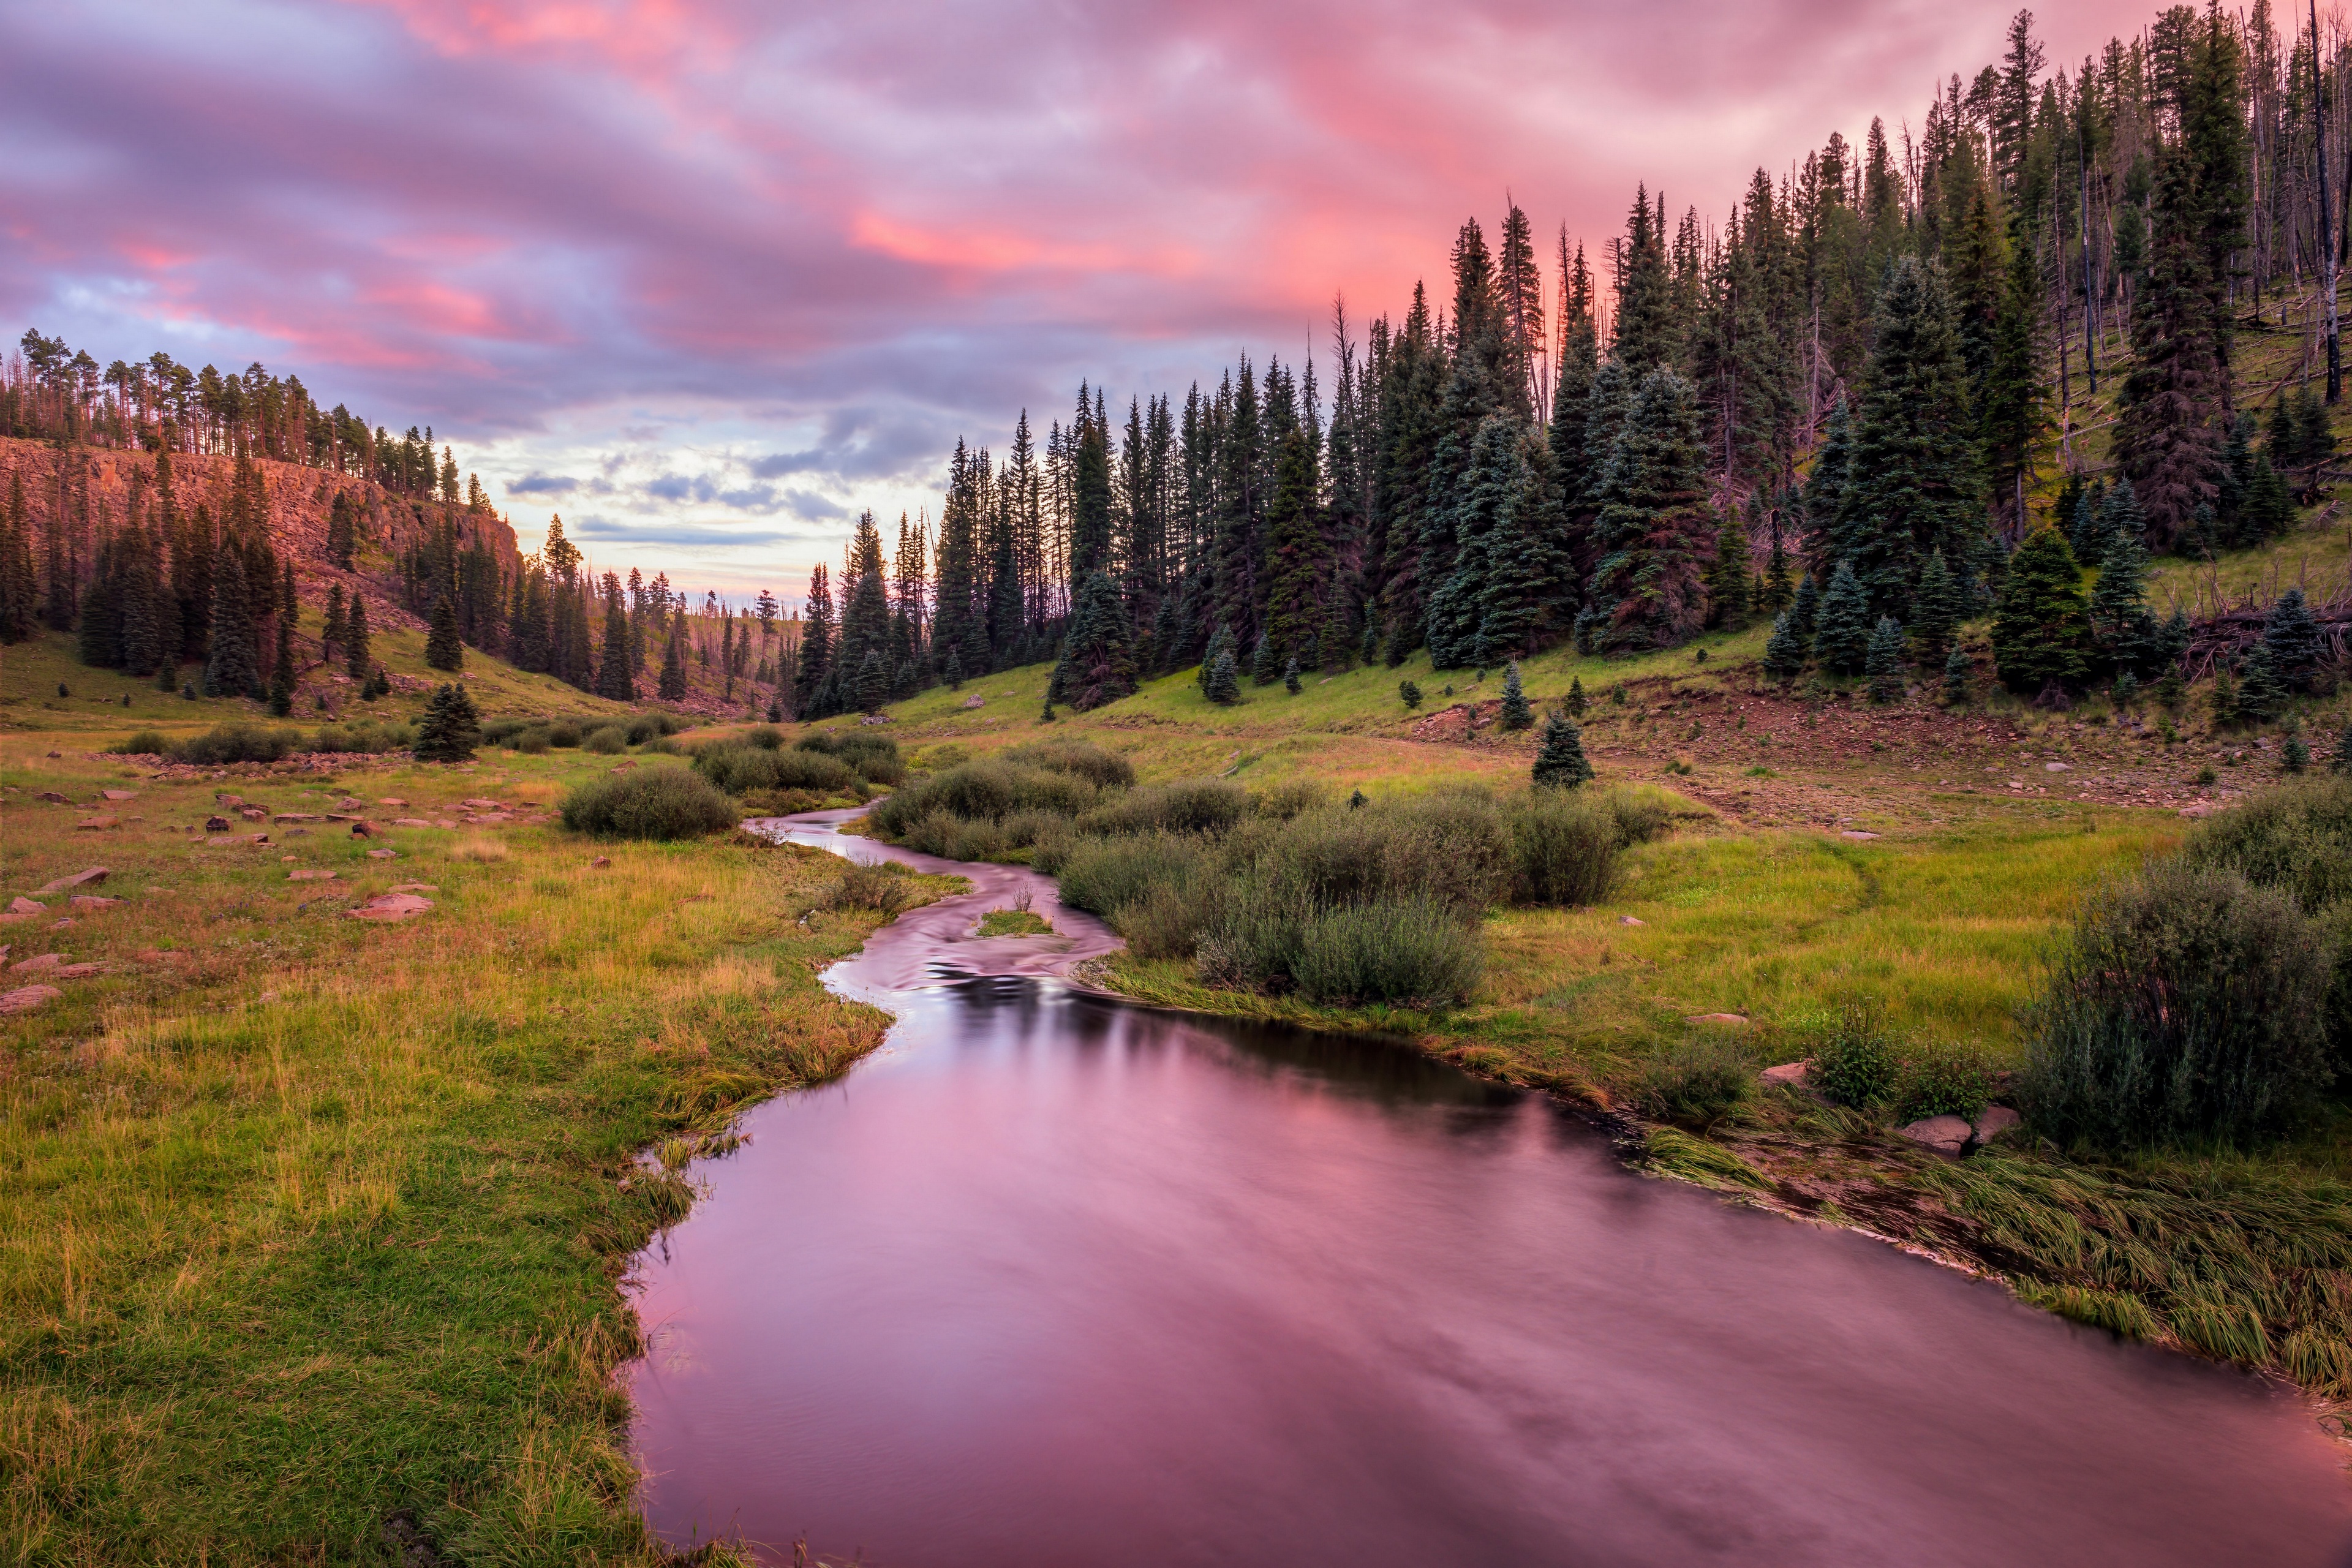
column 1517, row 714
column 1560, row 762
column 1410, row 692
column 1958, row 669
column 1576, row 700
column 1290, row 681
column 1884, row 662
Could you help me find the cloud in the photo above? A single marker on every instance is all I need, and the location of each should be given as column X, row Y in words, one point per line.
column 653, row 530
column 541, row 485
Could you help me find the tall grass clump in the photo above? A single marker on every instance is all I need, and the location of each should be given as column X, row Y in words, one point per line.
column 1567, row 846
column 661, row 804
column 1698, row 1086
column 2188, row 1005
column 1386, row 950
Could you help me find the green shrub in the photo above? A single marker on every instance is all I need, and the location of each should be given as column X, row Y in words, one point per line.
column 1103, row 875
column 563, row 733
column 737, row 769
column 2188, row 1005
column 988, row 790
column 952, row 837
column 142, row 743
column 503, row 731
column 1564, row 847
column 643, row 728
column 764, row 737
column 366, row 737
column 532, row 742
column 883, row 885
column 607, row 741
column 1696, row 1086
column 875, row 757
column 1942, row 1080
column 1102, row 769
column 1167, row 920
column 2297, row 837
column 1187, row 805
column 1854, row 1058
column 235, row 743
column 1284, row 802
column 663, row 746
column 1385, row 952
column 649, row 803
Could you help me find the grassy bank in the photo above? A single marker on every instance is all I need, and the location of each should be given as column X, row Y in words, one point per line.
column 311, row 1221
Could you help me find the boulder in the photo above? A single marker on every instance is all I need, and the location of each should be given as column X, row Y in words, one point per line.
column 1793, row 1074
column 1630, row 921
column 1944, row 1134
column 93, row 901
column 74, row 970
column 53, row 797
column 391, row 907
column 22, row 905
column 600, row 862
column 227, row 801
column 253, row 814
column 119, row 794
column 39, row 961
column 91, row 877
column 365, row 830
column 216, row 824
column 350, row 803
column 392, row 800
column 1734, row 1020
column 973, row 702
column 490, row 818
column 25, row 998
column 1995, row 1118
column 310, row 873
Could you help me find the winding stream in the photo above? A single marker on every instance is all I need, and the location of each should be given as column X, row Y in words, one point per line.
column 1051, row 1281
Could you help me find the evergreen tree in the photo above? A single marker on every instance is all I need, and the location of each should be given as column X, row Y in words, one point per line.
column 2296, row 755
column 355, row 639
column 1290, row 681
column 1957, row 670
column 1938, row 607
column 613, row 670
column 443, row 648
column 1517, row 714
column 2120, row 622
column 1917, row 485
column 19, row 586
column 873, row 683
column 1098, row 663
column 450, row 729
column 1654, row 522
column 1296, row 562
column 1576, row 698
column 1730, row 590
column 282, row 679
column 343, row 532
column 2167, row 435
column 1884, row 662
column 1784, row 650
column 1224, row 685
column 2341, row 762
column 2262, row 692
column 2291, row 634
column 1559, row 762
column 2039, row 630
column 1408, row 693
column 2013, row 390
column 817, row 643
column 231, row 672
column 1262, row 670
column 1841, row 640
column 1805, row 609
column 954, row 671
column 1526, row 575
column 1780, row 589
column 1221, row 641
column 2225, row 697
column 335, row 632
column 2269, row 504
column 672, row 688
column 1825, row 489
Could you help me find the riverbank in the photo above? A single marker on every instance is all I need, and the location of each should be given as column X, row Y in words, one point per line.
column 308, row 1221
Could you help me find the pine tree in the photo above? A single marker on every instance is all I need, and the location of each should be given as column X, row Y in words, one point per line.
column 2013, row 390
column 2269, row 504
column 1517, row 714
column 2226, row 712
column 282, row 679
column 1957, row 670
column 230, row 672
column 1559, row 762
column 954, row 670
column 1841, row 640
column 1825, row 489
column 1654, row 522
column 2262, row 690
column 2292, row 637
column 343, row 532
column 1290, row 681
column 355, row 639
column 816, row 641
column 1805, row 609
column 1780, row 589
column 613, row 671
column 19, row 586
column 1408, row 693
column 673, row 671
column 2120, row 622
column 1784, row 650
column 1576, row 698
column 1221, row 642
column 2296, row 755
column 1729, row 589
column 1263, row 670
column 450, row 729
column 2341, row 762
column 2039, row 630
column 1098, row 663
column 1884, row 662
column 2167, row 435
column 443, row 648
column 1224, row 686
column 334, row 633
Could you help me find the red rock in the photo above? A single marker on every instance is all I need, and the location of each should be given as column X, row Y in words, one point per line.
column 297, row 817
column 391, row 907
column 97, row 824
column 93, row 901
column 216, row 824
column 1791, row 1073
column 96, row 874
column 365, row 830
column 40, row 961
column 27, row 907
column 1995, row 1118
column 119, row 794
column 1731, row 1018
column 74, row 970
column 1944, row 1134
column 480, row 804
column 392, row 800
column 601, row 861
column 52, row 797
column 253, row 814
column 310, row 873
column 383, row 853
column 1630, row 921
column 25, row 998
column 410, row 822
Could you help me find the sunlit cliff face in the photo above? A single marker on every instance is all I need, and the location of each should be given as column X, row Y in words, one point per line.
column 709, row 276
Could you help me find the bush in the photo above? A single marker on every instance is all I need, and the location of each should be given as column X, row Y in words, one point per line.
column 532, row 742
column 563, row 733
column 364, row 737
column 873, row 757
column 1285, row 801
column 1698, row 1086
column 142, row 743
column 1943, row 1080
column 765, row 738
column 880, row 886
column 1187, row 805
column 989, row 790
column 1564, row 847
column 608, row 741
column 952, row 837
column 1103, row 875
column 737, row 769
column 503, row 731
column 2189, row 1003
column 1854, row 1058
column 1385, row 952
column 1082, row 758
column 2297, row 837
column 235, row 743
column 650, row 803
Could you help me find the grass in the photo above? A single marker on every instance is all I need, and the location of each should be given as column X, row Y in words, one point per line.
column 1014, row 923
column 322, row 1220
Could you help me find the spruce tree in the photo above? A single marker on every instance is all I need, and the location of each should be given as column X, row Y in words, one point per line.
column 1224, row 686
column 1516, row 714
column 1654, row 522
column 1937, row 609
column 1290, row 681
column 1917, row 482
column 2269, row 504
column 1841, row 640
column 1805, row 609
column 2341, row 762
column 1264, row 671
column 19, row 586
column 2226, row 713
column 1729, row 588
column 672, row 688
column 343, row 532
column 1825, row 489
column 953, row 673
column 2083, row 523
column 333, row 632
column 2168, row 438
column 2118, row 612
column 1957, row 670
column 443, row 648
column 1577, row 703
column 1884, row 662
column 2296, row 755
column 450, row 729
column 282, row 679
column 1778, row 588
column 873, row 683
column 2039, row 630
column 230, row 671
column 1559, row 762
column 1784, row 650
column 613, row 671
column 1220, row 644
column 2292, row 637
column 1098, row 663
column 355, row 639
column 2262, row 690
column 1527, row 575
column 1408, row 693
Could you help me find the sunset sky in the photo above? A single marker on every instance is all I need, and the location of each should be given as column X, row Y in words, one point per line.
column 709, row 276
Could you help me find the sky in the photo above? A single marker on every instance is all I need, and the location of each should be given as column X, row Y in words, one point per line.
column 710, row 277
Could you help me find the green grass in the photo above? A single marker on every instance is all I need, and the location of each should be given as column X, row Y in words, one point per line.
column 323, row 1220
column 1014, row 923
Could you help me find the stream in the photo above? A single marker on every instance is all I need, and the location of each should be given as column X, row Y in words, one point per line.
column 1048, row 1280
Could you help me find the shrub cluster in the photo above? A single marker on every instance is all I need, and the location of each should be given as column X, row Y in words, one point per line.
column 1858, row 1060
column 661, row 803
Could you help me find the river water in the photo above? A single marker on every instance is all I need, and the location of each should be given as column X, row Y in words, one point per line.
column 1051, row 1281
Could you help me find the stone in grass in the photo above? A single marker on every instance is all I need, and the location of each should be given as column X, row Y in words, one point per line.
column 97, row 824
column 410, row 822
column 216, row 824
column 310, row 873
column 24, row 906
column 25, row 998
column 53, row 797
column 119, row 794
column 38, row 960
column 1734, row 1020
column 1944, row 1134
column 383, row 853
column 390, row 907
column 1994, row 1119
column 1630, row 921
column 600, row 862
column 93, row 901
column 91, row 877
column 1793, row 1074
column 74, row 970
column 391, row 800
column 365, row 830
